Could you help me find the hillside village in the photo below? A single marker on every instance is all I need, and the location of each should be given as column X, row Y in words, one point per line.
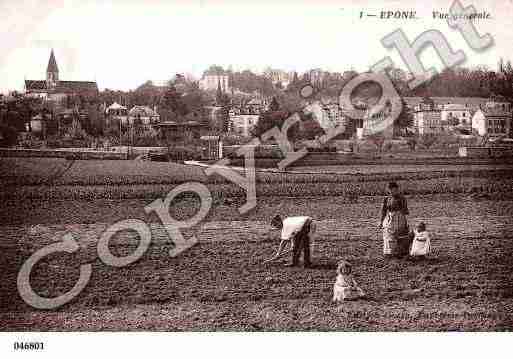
column 235, row 106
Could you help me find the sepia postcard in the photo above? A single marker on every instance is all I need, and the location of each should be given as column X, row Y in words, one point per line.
column 173, row 167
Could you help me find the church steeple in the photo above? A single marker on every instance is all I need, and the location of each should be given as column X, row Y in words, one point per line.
column 52, row 71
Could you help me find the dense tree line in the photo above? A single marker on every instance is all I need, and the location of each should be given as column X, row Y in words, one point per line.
column 249, row 82
column 463, row 82
column 304, row 129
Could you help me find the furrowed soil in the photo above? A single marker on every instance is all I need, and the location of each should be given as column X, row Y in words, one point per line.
column 221, row 284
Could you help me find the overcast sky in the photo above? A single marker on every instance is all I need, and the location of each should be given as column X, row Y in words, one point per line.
column 123, row 43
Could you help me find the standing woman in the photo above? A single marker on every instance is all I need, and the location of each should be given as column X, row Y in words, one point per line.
column 394, row 222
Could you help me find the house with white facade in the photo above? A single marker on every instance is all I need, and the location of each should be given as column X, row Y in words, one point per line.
column 493, row 120
column 117, row 112
column 144, row 114
column 243, row 118
column 242, row 124
column 457, row 114
column 427, row 117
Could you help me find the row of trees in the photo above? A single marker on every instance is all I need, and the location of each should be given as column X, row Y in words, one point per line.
column 479, row 81
column 457, row 82
column 463, row 82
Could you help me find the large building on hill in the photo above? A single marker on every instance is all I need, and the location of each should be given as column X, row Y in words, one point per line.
column 215, row 78
column 53, row 88
column 316, row 76
column 279, row 76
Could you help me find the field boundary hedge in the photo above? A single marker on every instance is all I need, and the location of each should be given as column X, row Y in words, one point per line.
column 309, row 161
column 77, row 179
column 350, row 192
column 53, row 153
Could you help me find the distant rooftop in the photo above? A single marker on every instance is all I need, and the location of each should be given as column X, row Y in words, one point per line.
column 61, row 86
column 471, row 101
column 143, row 111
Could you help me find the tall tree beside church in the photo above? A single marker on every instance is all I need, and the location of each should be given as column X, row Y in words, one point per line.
column 274, row 105
column 222, row 116
column 96, row 120
column 172, row 101
column 146, row 94
column 295, row 79
column 404, row 120
column 506, row 72
column 275, row 117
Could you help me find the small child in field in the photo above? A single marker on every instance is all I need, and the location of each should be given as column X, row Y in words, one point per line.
column 345, row 287
column 421, row 245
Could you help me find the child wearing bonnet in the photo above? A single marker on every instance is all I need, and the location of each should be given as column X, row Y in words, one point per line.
column 421, row 246
column 345, row 287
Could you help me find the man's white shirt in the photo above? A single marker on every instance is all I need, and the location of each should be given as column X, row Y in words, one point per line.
column 292, row 225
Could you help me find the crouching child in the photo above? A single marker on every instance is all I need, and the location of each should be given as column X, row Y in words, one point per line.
column 345, row 287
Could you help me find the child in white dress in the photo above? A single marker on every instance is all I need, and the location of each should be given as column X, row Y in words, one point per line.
column 345, row 287
column 421, row 245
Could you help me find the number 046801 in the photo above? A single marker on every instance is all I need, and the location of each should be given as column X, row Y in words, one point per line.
column 28, row 346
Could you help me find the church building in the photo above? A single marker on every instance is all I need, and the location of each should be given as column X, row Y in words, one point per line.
column 55, row 89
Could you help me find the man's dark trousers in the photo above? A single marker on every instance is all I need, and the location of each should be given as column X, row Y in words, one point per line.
column 302, row 243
